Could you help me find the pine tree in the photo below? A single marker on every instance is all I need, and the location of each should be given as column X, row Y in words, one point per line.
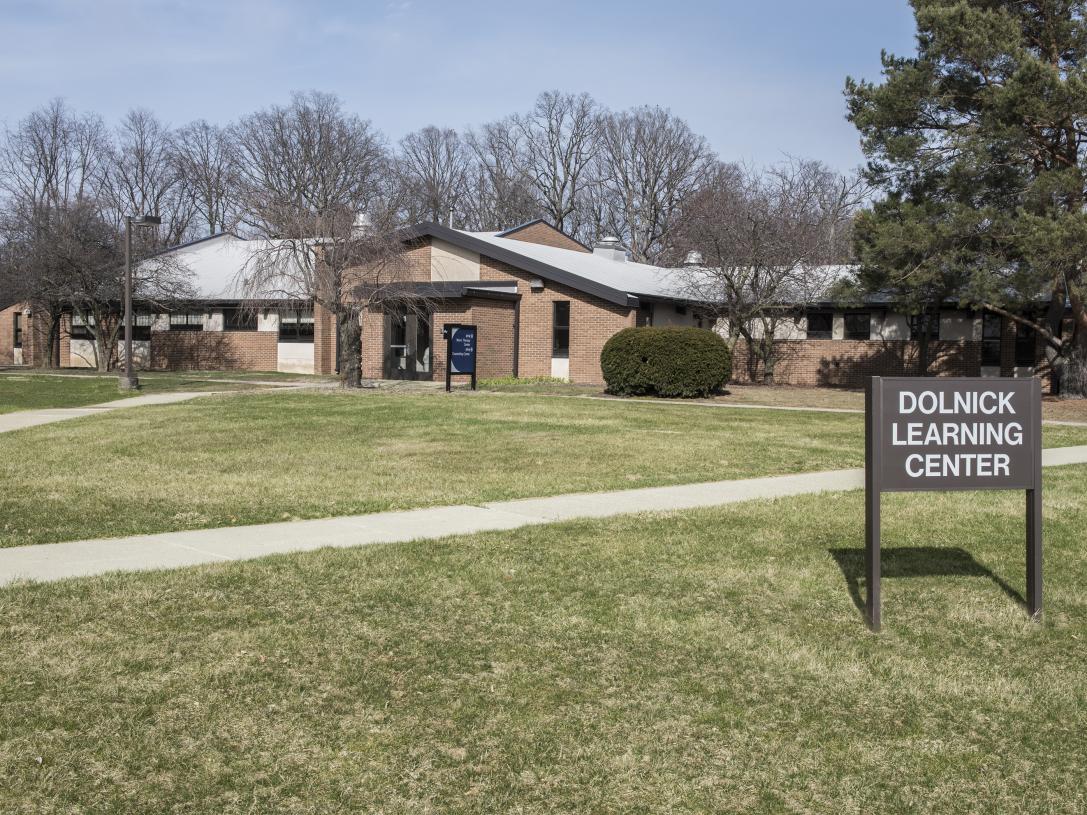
column 979, row 142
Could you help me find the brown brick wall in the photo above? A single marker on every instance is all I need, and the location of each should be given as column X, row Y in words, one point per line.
column 546, row 235
column 494, row 322
column 66, row 340
column 7, row 334
column 494, row 318
column 35, row 340
column 849, row 363
column 214, row 350
column 373, row 348
column 324, row 340
column 413, row 264
column 592, row 322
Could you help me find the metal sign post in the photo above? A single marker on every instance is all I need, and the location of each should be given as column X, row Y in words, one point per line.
column 925, row 434
column 460, row 352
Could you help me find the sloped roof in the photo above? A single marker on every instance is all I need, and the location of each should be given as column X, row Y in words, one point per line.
column 218, row 264
column 536, row 223
column 615, row 281
column 626, row 276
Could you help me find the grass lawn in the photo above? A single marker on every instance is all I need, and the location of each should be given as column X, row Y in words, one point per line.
column 255, row 458
column 32, row 389
column 712, row 661
column 776, row 396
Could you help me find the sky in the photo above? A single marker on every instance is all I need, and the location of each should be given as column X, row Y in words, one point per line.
column 760, row 80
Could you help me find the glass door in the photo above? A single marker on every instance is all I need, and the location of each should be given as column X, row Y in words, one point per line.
column 407, row 346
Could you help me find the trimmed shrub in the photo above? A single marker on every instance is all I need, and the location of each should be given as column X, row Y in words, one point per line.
column 669, row 362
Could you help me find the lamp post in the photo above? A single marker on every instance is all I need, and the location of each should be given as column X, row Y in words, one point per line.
column 128, row 380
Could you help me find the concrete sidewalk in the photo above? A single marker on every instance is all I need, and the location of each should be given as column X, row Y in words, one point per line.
column 175, row 549
column 31, row 418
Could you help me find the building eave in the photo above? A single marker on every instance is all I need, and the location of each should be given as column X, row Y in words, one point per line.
column 544, row 270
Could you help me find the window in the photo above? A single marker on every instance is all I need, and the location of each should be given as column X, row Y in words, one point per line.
column 296, row 325
column 820, row 325
column 927, row 324
column 17, row 326
column 645, row 315
column 990, row 340
column 141, row 327
column 858, row 326
column 236, row 318
column 187, row 321
column 1026, row 345
column 681, row 309
column 560, row 328
column 80, row 329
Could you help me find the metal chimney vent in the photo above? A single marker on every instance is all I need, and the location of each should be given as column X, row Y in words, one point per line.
column 610, row 248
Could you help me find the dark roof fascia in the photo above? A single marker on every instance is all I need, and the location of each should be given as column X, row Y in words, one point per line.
column 505, row 233
column 679, row 301
column 484, row 294
column 545, row 270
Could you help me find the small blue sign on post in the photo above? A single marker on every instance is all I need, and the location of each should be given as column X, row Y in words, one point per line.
column 460, row 352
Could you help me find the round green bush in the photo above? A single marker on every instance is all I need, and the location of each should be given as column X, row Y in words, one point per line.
column 670, row 362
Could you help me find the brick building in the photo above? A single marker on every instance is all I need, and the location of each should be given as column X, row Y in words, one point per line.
column 841, row 347
column 544, row 304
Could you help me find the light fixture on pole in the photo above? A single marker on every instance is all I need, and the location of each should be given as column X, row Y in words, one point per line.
column 128, row 380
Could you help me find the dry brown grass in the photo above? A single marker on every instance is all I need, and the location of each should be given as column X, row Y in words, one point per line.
column 708, row 661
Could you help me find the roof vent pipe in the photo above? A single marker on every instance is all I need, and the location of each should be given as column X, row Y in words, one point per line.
column 610, row 248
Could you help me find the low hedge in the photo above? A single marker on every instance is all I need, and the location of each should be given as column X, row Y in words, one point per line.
column 670, row 362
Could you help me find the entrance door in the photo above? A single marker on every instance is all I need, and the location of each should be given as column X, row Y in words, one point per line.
column 407, row 346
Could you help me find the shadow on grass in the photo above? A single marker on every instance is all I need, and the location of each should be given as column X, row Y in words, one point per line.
column 916, row 561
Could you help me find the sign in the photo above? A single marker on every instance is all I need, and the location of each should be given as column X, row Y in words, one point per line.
column 924, row 434
column 460, row 352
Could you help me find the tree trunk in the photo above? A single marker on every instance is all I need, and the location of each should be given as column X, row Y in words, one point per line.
column 101, row 351
column 769, row 359
column 350, row 358
column 50, row 359
column 1073, row 371
column 923, row 361
column 1073, row 368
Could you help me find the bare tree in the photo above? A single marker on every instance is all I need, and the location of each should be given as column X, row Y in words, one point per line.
column 649, row 164
column 49, row 164
column 431, row 171
column 500, row 189
column 312, row 183
column 205, row 165
column 141, row 177
column 556, row 142
column 769, row 240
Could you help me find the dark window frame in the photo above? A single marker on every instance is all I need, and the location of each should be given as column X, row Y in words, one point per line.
column 17, row 330
column 851, row 332
column 991, row 356
column 293, row 325
column 821, row 334
column 193, row 321
column 926, row 321
column 141, row 328
column 231, row 322
column 80, row 330
column 1026, row 346
column 560, row 332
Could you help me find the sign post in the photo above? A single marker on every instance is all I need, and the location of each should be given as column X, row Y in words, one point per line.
column 924, row 434
column 460, row 352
